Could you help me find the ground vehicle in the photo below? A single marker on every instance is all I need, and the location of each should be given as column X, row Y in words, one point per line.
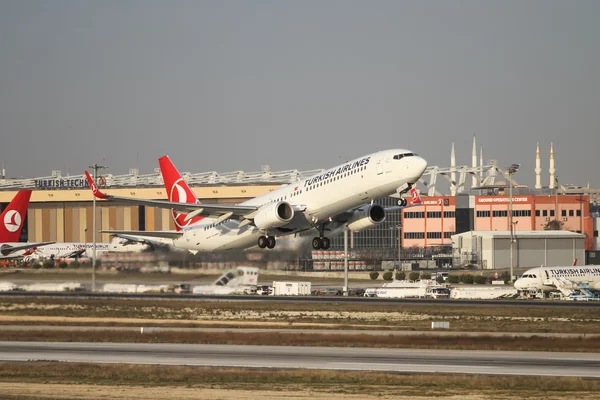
column 264, row 290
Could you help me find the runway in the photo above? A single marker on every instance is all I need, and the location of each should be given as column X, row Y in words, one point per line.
column 361, row 359
column 311, row 299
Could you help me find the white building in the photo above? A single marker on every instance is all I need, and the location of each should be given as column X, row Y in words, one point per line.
column 491, row 249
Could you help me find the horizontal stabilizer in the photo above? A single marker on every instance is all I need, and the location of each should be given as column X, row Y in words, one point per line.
column 7, row 249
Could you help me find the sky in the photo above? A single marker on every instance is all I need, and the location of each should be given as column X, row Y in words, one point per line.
column 232, row 85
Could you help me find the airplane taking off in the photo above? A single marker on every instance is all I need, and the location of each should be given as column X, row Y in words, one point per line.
column 326, row 202
column 11, row 220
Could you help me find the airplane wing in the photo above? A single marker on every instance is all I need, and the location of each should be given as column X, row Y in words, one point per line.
column 192, row 210
column 7, row 249
column 131, row 234
column 143, row 240
column 74, row 253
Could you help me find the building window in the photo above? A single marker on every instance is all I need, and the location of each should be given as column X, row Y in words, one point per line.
column 414, row 235
column 563, row 213
column 571, row 213
column 552, row 213
column 481, row 214
column 537, row 213
column 521, row 213
column 434, row 235
column 413, row 214
column 434, row 214
column 449, row 214
column 595, row 233
column 545, row 213
column 579, row 213
column 448, row 235
column 500, row 213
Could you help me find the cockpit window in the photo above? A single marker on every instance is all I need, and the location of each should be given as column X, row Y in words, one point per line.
column 401, row 156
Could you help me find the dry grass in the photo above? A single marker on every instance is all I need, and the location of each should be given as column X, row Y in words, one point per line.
column 254, row 379
column 534, row 343
column 491, row 318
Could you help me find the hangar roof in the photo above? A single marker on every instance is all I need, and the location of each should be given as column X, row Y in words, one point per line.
column 522, row 234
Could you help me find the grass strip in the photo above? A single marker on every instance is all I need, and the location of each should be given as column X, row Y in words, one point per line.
column 256, row 379
column 534, row 343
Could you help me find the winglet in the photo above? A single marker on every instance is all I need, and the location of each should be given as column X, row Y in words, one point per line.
column 94, row 188
column 416, row 199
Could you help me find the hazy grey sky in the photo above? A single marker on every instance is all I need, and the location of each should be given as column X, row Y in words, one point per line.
column 228, row 85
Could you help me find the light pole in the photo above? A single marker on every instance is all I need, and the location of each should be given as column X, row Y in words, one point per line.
column 556, row 198
column 513, row 168
column 345, row 290
column 95, row 167
column 399, row 247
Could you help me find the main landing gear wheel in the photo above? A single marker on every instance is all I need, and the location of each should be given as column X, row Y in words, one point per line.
column 316, row 243
column 402, row 202
column 263, row 242
column 321, row 243
column 266, row 241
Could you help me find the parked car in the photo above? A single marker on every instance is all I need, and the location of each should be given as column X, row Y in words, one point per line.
column 264, row 290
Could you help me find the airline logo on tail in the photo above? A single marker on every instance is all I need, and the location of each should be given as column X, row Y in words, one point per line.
column 179, row 192
column 12, row 220
column 13, row 215
column 416, row 199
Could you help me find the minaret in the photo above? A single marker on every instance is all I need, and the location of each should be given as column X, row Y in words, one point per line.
column 552, row 170
column 474, row 163
column 538, row 168
column 453, row 173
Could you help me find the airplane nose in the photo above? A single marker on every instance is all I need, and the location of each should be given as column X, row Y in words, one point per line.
column 421, row 164
column 519, row 284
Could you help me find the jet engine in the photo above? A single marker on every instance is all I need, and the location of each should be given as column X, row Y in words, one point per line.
column 6, row 249
column 366, row 218
column 274, row 215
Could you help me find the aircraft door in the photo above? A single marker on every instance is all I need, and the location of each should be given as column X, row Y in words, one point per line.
column 379, row 167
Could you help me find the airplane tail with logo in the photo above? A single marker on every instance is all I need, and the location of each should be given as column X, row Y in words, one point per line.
column 13, row 217
column 178, row 191
column 416, row 199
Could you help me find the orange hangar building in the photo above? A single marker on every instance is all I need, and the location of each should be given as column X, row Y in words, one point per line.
column 440, row 217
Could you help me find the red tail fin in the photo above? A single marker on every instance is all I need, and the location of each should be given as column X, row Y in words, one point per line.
column 178, row 191
column 574, row 262
column 13, row 217
column 416, row 199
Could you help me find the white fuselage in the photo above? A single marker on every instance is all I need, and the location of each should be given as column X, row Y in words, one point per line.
column 322, row 196
column 541, row 278
column 62, row 250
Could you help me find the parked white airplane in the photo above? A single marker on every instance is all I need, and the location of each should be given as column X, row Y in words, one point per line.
column 12, row 220
column 549, row 279
column 86, row 250
column 327, row 202
column 65, row 250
